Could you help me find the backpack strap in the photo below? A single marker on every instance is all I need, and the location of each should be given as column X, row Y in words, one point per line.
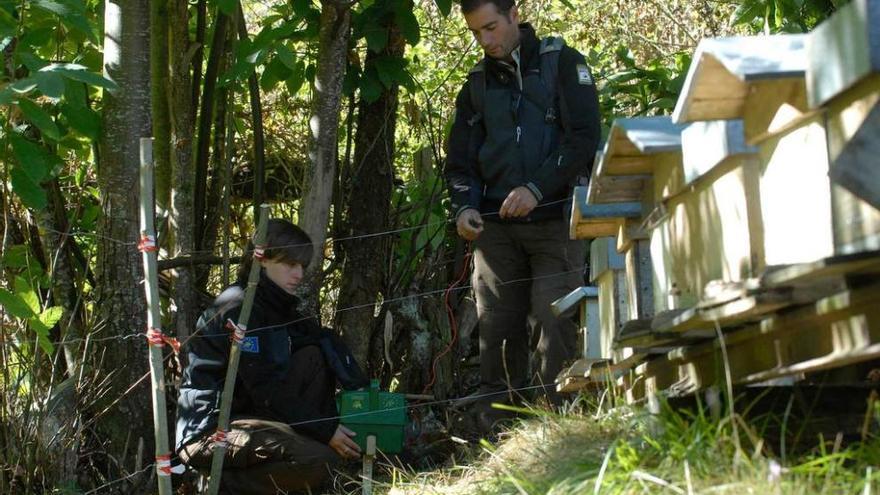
column 477, row 85
column 549, row 51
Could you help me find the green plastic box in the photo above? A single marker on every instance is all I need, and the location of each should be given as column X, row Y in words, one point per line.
column 373, row 412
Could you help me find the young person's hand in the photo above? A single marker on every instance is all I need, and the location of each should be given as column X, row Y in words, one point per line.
column 343, row 444
column 469, row 224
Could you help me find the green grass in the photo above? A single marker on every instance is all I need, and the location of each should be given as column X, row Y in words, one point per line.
column 624, row 450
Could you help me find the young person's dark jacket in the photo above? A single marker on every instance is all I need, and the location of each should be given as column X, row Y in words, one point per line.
column 482, row 169
column 275, row 330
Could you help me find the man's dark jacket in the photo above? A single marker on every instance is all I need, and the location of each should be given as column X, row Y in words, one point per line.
column 510, row 145
column 275, row 330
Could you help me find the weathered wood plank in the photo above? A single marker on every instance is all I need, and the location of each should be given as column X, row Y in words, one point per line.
column 843, row 50
column 732, row 313
column 824, row 271
column 797, row 220
column 590, row 221
column 834, row 332
column 773, row 107
column 651, row 135
column 723, row 69
column 617, row 188
column 604, row 257
column 854, row 142
column 705, row 145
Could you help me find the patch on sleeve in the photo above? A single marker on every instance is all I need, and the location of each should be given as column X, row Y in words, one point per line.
column 251, row 344
column 584, row 76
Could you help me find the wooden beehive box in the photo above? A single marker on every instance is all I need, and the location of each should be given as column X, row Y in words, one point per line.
column 761, row 80
column 620, row 191
column 843, row 82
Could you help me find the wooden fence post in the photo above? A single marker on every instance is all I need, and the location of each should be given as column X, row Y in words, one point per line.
column 148, row 247
column 235, row 352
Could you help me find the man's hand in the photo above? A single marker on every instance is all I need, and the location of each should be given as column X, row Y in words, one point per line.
column 519, row 203
column 469, row 224
column 343, row 444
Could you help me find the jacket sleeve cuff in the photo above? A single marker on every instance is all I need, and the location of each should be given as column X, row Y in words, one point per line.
column 461, row 210
column 534, row 189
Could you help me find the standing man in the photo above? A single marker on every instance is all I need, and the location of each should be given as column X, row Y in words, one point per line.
column 526, row 129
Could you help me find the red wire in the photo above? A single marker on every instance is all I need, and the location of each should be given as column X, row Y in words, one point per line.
column 451, row 315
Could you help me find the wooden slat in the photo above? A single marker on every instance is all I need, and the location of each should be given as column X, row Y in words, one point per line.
column 629, row 165
column 705, row 145
column 617, row 188
column 826, row 270
column 834, row 332
column 723, row 70
column 735, row 312
column 843, row 50
column 854, row 140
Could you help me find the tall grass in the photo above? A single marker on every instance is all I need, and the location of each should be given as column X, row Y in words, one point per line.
column 591, row 449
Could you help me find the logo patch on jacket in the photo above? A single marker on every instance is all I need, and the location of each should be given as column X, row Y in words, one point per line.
column 584, row 76
column 251, row 344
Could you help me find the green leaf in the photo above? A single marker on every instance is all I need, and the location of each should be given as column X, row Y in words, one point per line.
column 79, row 73
column 377, row 38
column 24, row 86
column 286, row 56
column 71, row 14
column 781, row 13
column 408, row 24
column 83, row 120
column 301, row 7
column 746, row 12
column 16, row 256
column 228, row 7
column 445, row 6
column 75, row 93
column 27, row 294
column 371, row 88
column 296, row 79
column 14, row 305
column 39, row 118
column 51, row 85
column 31, row 61
column 351, row 81
column 568, row 4
column 390, row 70
column 50, row 316
column 42, row 332
column 30, row 193
column 35, row 160
column 274, row 73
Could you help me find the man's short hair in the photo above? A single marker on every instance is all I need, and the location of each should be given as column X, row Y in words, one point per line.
column 504, row 6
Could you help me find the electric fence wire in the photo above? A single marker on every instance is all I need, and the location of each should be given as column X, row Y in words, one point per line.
column 139, row 335
column 329, row 240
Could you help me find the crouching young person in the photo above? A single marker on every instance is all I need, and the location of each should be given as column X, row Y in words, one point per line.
column 283, row 434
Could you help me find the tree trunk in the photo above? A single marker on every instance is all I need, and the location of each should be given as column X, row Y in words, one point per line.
column 367, row 211
column 181, row 120
column 206, row 121
column 120, row 301
column 323, row 145
column 160, row 104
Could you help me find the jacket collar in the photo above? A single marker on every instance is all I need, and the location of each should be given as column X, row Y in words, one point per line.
column 527, row 50
column 274, row 297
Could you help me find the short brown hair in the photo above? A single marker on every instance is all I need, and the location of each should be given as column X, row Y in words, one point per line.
column 503, row 6
column 285, row 243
